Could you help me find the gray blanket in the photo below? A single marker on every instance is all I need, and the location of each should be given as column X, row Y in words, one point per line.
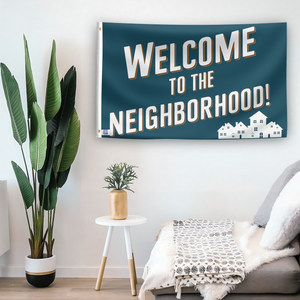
column 206, row 253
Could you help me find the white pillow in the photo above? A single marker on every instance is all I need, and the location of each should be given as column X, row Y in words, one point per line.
column 262, row 216
column 284, row 223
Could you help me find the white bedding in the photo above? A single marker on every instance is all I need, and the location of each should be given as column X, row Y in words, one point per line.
column 159, row 270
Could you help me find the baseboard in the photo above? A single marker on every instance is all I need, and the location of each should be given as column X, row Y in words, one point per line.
column 74, row 272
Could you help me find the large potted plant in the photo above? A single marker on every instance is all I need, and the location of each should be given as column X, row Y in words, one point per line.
column 121, row 176
column 53, row 142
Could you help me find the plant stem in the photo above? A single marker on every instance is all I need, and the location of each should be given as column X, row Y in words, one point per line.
column 53, row 218
column 49, row 233
column 29, row 228
column 25, row 162
column 34, row 209
column 27, row 217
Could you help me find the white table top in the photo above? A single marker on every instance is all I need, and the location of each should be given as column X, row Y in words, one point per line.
column 130, row 221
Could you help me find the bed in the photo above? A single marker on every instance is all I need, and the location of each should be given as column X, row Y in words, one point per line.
column 261, row 256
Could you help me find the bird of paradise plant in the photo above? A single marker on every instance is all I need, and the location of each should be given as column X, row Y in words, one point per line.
column 53, row 142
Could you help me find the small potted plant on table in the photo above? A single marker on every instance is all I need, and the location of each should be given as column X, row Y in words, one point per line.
column 121, row 176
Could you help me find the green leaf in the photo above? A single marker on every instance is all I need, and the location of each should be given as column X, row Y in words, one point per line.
column 122, row 175
column 50, row 194
column 53, row 95
column 65, row 153
column 38, row 138
column 24, row 185
column 52, row 125
column 13, row 99
column 30, row 87
column 68, row 91
column 45, row 172
column 62, row 178
column 60, row 121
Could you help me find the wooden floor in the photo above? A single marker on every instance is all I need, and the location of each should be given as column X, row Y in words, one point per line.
column 69, row 288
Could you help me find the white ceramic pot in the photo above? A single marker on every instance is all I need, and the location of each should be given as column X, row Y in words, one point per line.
column 40, row 272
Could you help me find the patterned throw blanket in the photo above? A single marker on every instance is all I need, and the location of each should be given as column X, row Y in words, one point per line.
column 206, row 253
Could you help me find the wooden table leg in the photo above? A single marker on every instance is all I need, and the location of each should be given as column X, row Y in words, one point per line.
column 134, row 268
column 104, row 258
column 132, row 277
column 130, row 260
column 101, row 272
column 135, row 277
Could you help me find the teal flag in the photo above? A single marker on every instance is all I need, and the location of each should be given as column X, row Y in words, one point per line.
column 191, row 81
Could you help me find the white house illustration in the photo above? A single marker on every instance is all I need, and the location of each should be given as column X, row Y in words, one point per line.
column 258, row 128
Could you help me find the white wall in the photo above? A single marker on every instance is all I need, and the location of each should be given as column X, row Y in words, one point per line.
column 177, row 178
column 4, row 229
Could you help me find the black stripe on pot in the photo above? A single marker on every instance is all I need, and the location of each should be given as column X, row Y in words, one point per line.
column 42, row 279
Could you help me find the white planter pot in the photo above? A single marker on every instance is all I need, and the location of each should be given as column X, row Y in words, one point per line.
column 40, row 272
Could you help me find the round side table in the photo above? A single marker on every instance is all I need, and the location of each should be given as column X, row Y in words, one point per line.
column 130, row 221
